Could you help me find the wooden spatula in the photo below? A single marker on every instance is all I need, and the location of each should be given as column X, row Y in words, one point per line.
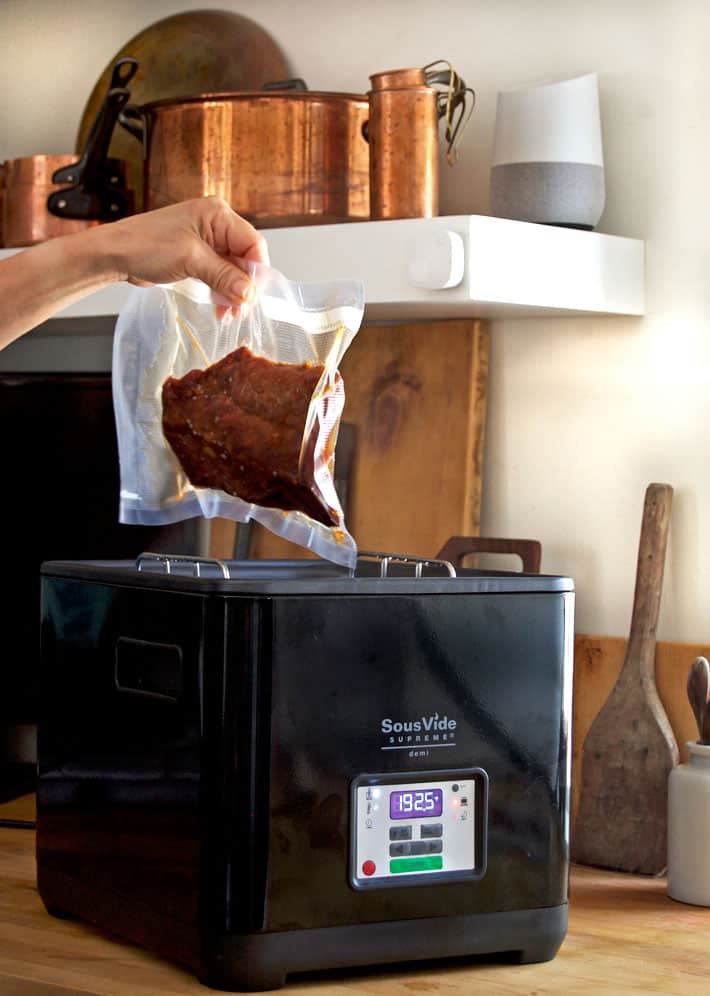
column 630, row 748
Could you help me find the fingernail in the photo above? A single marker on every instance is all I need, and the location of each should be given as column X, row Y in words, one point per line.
column 243, row 290
column 263, row 251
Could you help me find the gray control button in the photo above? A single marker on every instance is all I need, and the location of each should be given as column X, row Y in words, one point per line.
column 432, row 829
column 426, row 847
column 397, row 850
column 400, row 833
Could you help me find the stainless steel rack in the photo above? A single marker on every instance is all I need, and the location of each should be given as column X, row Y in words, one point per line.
column 179, row 564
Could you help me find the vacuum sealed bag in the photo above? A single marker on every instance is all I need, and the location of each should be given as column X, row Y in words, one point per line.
column 237, row 417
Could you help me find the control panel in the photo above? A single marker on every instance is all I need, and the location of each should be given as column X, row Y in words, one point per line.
column 412, row 829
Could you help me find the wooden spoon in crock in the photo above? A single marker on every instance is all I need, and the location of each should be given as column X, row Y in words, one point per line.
column 698, row 690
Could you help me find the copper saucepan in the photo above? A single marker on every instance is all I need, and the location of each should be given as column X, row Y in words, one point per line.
column 280, row 156
column 50, row 195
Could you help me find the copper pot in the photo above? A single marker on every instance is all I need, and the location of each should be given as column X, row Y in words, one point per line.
column 2, row 205
column 279, row 158
column 50, row 195
column 29, row 183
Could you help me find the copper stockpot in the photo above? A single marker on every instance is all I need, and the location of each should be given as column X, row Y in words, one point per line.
column 279, row 158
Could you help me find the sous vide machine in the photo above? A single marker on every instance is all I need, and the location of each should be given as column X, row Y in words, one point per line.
column 267, row 767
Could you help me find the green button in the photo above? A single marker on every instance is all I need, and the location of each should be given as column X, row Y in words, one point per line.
column 432, row 862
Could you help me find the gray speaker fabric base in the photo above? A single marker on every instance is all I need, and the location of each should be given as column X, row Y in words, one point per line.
column 569, row 194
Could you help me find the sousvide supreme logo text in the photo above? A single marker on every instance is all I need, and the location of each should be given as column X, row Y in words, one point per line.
column 424, row 725
column 418, row 736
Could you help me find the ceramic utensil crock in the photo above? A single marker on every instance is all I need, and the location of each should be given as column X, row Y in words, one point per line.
column 689, row 828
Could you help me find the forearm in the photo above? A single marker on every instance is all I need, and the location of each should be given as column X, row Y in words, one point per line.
column 202, row 238
column 39, row 281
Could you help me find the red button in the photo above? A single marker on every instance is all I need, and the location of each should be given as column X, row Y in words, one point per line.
column 369, row 868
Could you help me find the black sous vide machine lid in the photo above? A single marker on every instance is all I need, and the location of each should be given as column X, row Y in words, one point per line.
column 374, row 574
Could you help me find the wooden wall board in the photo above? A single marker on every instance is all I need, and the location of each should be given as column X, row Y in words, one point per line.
column 416, row 393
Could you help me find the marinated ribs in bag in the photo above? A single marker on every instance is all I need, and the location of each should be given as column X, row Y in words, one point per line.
column 238, row 426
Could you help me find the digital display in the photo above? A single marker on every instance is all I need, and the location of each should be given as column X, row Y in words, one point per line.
column 411, row 803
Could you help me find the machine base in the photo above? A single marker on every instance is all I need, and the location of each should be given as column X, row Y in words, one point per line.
column 259, row 962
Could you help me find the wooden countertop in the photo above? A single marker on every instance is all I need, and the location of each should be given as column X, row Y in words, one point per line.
column 625, row 936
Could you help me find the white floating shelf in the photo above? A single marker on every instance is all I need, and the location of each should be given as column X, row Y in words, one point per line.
column 510, row 268
column 498, row 268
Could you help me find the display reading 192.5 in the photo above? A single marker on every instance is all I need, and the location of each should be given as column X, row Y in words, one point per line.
column 411, row 803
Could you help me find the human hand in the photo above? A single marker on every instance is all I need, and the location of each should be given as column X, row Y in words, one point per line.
column 202, row 238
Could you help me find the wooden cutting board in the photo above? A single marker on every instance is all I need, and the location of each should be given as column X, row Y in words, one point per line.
column 416, row 393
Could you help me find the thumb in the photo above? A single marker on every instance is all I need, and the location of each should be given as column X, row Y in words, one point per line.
column 223, row 276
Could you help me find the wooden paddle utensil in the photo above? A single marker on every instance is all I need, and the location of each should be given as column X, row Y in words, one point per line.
column 630, row 748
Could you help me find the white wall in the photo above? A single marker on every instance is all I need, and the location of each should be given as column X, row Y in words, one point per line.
column 584, row 413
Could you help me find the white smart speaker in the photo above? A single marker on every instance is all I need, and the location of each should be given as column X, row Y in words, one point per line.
column 547, row 154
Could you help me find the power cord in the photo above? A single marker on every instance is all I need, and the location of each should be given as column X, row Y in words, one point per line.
column 19, row 824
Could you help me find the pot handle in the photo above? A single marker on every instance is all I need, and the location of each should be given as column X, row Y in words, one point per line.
column 458, row 547
column 121, row 75
column 131, row 119
column 98, row 192
column 451, row 103
column 294, row 84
